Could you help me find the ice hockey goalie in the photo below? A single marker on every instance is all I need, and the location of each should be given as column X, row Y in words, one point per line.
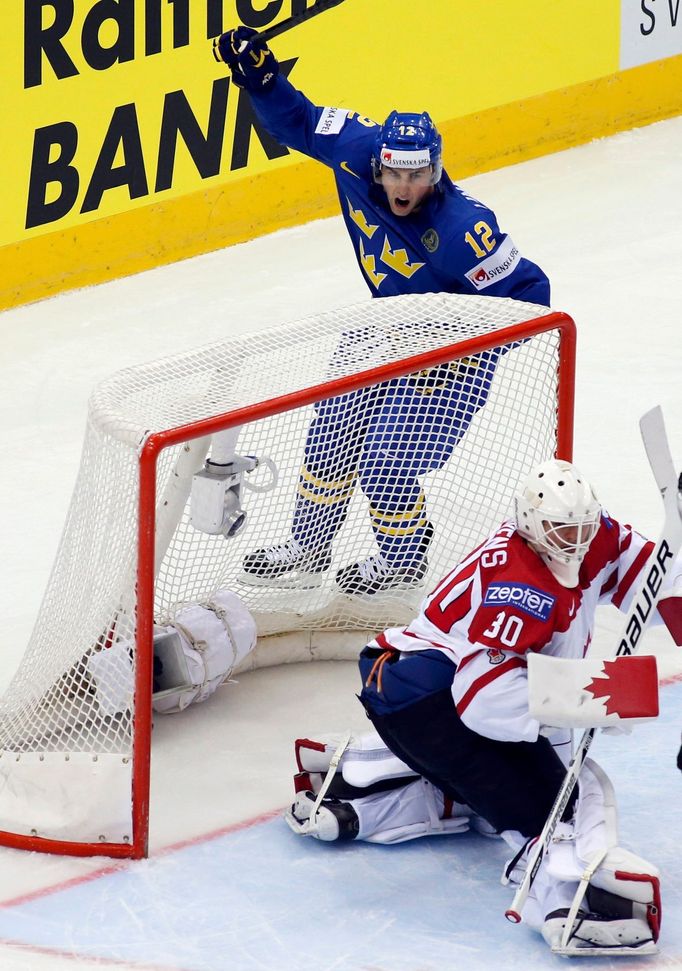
column 456, row 744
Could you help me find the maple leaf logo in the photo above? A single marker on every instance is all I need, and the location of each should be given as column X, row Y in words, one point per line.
column 630, row 688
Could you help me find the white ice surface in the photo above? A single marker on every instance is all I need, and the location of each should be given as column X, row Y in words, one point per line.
column 604, row 221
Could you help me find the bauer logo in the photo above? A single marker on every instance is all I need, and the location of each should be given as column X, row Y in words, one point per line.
column 528, row 599
column 331, row 121
column 496, row 267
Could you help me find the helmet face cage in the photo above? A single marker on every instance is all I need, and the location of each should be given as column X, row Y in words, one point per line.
column 408, row 141
column 570, row 540
column 558, row 513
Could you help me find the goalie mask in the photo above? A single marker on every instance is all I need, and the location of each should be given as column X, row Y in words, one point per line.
column 408, row 141
column 559, row 515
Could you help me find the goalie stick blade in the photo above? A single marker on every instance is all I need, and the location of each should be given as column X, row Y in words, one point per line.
column 652, row 428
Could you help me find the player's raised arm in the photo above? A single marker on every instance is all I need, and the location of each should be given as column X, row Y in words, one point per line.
column 287, row 114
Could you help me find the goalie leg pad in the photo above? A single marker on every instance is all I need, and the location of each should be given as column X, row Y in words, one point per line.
column 417, row 809
column 365, row 761
column 391, row 803
column 393, row 815
column 591, row 895
column 617, row 906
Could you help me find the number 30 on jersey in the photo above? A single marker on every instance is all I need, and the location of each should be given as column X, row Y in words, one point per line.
column 505, row 629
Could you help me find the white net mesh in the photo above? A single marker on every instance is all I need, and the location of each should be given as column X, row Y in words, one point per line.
column 402, row 478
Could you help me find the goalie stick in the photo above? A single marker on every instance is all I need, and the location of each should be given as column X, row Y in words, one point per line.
column 287, row 23
column 641, row 610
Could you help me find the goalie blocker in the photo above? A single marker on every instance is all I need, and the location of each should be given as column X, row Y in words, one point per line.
column 590, row 693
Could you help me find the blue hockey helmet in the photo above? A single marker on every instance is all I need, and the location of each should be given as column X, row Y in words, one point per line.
column 408, row 141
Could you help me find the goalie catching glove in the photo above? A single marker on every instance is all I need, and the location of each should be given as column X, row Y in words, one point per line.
column 251, row 62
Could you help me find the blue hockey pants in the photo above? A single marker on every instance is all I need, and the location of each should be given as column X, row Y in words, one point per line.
column 386, row 437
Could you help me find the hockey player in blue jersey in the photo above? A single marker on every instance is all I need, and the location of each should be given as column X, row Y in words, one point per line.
column 413, row 231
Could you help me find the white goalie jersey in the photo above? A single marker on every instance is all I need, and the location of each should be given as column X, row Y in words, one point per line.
column 502, row 603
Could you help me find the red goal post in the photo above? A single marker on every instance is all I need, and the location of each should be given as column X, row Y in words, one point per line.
column 129, row 555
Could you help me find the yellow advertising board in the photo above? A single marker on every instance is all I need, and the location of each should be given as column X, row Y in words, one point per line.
column 126, row 145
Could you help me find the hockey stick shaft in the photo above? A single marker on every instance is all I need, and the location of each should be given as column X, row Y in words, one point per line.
column 297, row 19
column 286, row 24
column 638, row 616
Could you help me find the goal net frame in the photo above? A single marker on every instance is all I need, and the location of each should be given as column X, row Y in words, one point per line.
column 150, row 451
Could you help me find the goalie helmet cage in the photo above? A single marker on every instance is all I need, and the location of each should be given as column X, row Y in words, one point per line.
column 75, row 721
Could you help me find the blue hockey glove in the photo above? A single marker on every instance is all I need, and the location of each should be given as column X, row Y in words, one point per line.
column 250, row 60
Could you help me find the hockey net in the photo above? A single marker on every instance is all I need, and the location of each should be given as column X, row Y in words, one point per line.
column 74, row 750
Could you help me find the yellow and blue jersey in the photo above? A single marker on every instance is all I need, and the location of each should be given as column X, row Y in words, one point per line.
column 451, row 244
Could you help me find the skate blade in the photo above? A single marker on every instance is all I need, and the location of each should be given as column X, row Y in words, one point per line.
column 291, row 581
column 632, row 951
